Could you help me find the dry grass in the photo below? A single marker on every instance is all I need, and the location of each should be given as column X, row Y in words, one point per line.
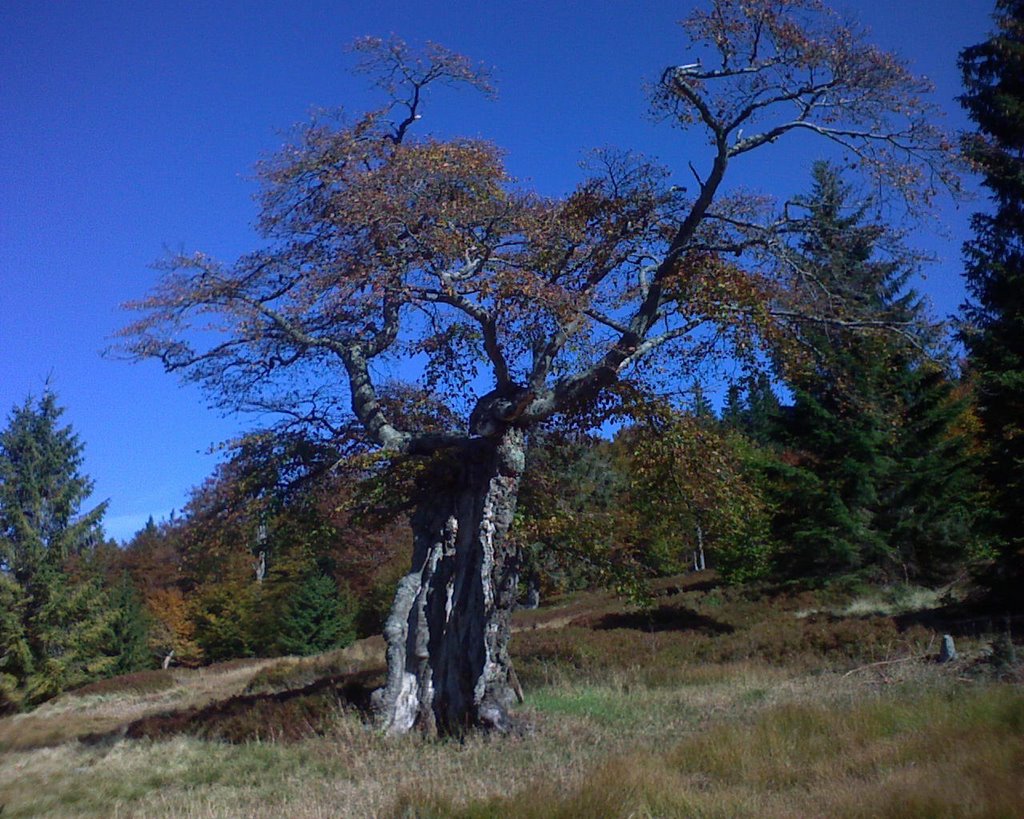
column 78, row 714
column 899, row 599
column 120, row 702
column 942, row 754
column 713, row 705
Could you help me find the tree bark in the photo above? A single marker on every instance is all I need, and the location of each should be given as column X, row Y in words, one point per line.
column 532, row 591
column 448, row 631
column 698, row 555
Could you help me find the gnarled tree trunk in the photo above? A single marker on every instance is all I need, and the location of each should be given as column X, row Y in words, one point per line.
column 448, row 631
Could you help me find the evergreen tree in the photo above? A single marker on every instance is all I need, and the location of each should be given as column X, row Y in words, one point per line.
column 62, row 619
column 839, row 420
column 700, row 404
column 318, row 617
column 41, row 490
column 829, row 488
column 733, row 410
column 993, row 73
column 129, row 630
column 15, row 655
column 877, row 479
column 69, row 634
column 930, row 506
column 753, row 408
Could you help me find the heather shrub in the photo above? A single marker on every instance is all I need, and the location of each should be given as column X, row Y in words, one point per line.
column 136, row 683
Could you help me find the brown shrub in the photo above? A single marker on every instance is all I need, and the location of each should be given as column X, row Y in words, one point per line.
column 285, row 716
column 139, row 682
column 710, row 626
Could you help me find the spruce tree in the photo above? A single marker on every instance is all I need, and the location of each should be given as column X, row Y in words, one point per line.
column 62, row 619
column 69, row 634
column 930, row 505
column 15, row 655
column 41, row 491
column 318, row 617
column 129, row 628
column 878, row 481
column 838, row 422
column 993, row 74
column 753, row 408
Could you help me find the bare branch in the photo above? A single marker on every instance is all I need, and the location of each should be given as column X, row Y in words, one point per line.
column 370, row 229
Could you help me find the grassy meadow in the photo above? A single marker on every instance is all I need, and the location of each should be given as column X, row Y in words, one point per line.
column 713, row 703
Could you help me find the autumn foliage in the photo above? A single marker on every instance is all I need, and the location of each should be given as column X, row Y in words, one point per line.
column 383, row 244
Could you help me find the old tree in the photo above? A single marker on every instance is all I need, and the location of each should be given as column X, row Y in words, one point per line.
column 384, row 245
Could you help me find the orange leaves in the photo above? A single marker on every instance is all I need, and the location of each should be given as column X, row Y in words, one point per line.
column 745, row 31
column 175, row 626
column 431, row 199
column 384, row 244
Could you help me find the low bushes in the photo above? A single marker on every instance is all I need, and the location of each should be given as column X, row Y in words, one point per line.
column 139, row 682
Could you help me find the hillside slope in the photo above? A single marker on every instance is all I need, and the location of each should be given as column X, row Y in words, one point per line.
column 714, row 702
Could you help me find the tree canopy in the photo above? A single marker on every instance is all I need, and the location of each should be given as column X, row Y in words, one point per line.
column 386, row 245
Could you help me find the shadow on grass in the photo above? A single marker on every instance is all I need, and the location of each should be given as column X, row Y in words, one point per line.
column 672, row 589
column 963, row 620
column 662, row 618
column 282, row 716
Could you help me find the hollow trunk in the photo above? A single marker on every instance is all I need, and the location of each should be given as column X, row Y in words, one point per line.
column 448, row 631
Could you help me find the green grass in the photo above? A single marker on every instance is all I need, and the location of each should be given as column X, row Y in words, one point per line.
column 605, row 706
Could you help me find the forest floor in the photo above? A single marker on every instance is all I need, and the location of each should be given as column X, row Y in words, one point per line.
column 716, row 702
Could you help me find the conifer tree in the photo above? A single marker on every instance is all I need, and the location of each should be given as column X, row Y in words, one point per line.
column 129, row 630
column 929, row 508
column 41, row 490
column 880, row 481
column 993, row 73
column 69, row 634
column 318, row 617
column 753, row 408
column 62, row 620
column 15, row 655
column 830, row 494
column 838, row 421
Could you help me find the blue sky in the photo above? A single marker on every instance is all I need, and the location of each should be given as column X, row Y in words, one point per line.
column 130, row 128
